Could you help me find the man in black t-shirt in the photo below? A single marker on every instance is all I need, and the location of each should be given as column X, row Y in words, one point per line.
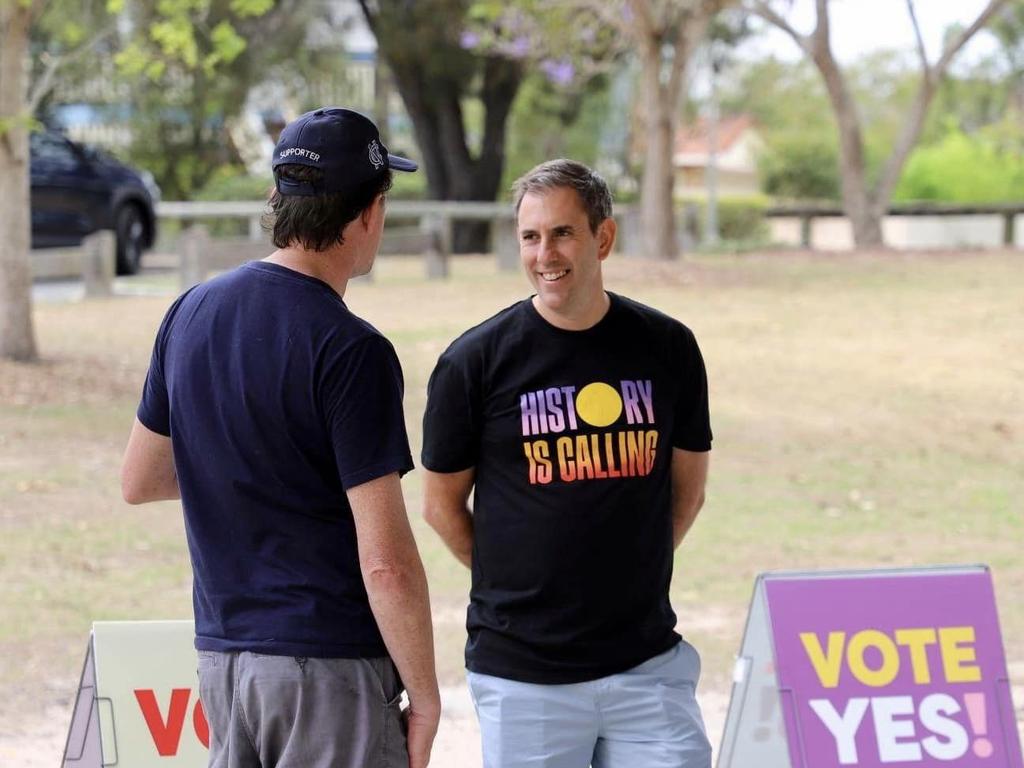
column 275, row 415
column 579, row 421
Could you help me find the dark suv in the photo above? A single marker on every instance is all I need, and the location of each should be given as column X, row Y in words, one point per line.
column 78, row 190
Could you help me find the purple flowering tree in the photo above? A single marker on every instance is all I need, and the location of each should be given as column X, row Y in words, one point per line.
column 574, row 39
column 436, row 67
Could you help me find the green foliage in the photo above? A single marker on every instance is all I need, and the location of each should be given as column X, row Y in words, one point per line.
column 801, row 167
column 781, row 96
column 408, row 186
column 962, row 168
column 535, row 30
column 251, row 8
column 18, row 121
column 191, row 70
column 548, row 121
column 740, row 218
column 791, row 108
column 231, row 182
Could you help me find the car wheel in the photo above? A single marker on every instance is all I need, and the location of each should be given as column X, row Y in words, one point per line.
column 131, row 235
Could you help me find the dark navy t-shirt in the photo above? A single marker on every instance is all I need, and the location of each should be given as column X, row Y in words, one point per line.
column 277, row 400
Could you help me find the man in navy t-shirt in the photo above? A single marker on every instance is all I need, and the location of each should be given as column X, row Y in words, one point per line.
column 579, row 421
column 275, row 415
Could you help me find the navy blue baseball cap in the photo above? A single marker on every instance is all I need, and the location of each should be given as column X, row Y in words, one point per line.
column 342, row 143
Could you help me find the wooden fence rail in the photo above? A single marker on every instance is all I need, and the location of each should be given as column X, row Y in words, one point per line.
column 430, row 235
column 807, row 213
column 425, row 227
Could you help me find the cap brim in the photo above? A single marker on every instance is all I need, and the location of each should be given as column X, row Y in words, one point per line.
column 397, row 163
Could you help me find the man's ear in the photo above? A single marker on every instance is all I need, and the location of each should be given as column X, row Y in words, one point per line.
column 372, row 210
column 606, row 231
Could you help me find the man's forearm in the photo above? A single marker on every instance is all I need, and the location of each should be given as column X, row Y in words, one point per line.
column 682, row 520
column 401, row 606
column 689, row 477
column 147, row 470
column 456, row 531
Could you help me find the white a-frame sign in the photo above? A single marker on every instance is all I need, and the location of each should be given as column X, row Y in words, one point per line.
column 872, row 669
column 138, row 700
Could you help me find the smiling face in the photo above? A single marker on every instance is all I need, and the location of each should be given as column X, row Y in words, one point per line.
column 562, row 257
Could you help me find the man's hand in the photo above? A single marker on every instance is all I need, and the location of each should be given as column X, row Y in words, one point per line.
column 421, row 728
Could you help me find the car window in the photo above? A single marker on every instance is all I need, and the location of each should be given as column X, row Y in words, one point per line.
column 53, row 152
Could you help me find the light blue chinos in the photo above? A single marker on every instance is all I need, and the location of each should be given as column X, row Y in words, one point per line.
column 645, row 717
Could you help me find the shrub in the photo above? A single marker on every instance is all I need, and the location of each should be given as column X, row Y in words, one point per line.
column 962, row 168
column 740, row 218
column 800, row 168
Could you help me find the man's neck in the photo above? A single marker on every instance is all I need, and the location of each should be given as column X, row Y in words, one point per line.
column 588, row 317
column 332, row 266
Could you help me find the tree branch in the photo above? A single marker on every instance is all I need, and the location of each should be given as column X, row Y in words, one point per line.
column 822, row 27
column 914, row 124
column 44, row 84
column 371, row 18
column 821, row 37
column 644, row 31
column 983, row 18
column 922, row 52
column 691, row 29
column 769, row 14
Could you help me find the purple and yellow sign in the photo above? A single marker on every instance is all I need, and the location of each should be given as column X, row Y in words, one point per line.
column 907, row 670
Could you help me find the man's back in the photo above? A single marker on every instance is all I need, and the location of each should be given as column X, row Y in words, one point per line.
column 276, row 416
column 263, row 369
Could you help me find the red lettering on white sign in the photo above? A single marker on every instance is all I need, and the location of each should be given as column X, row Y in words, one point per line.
column 166, row 733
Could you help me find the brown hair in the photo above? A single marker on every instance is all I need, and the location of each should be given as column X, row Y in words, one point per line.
column 317, row 223
column 592, row 189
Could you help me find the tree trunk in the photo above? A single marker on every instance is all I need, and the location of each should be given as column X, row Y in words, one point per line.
column 683, row 28
column 432, row 83
column 452, row 172
column 657, row 213
column 17, row 337
column 858, row 199
column 866, row 207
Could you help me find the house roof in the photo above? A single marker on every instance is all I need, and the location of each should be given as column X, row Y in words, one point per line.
column 692, row 140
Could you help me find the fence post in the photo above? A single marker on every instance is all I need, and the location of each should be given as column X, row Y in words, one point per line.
column 99, row 263
column 806, row 222
column 506, row 243
column 627, row 239
column 193, row 244
column 255, row 228
column 436, row 253
column 1009, row 221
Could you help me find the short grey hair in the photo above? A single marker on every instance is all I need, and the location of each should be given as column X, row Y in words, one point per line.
column 592, row 189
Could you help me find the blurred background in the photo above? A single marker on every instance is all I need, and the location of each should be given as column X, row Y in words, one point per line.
column 829, row 192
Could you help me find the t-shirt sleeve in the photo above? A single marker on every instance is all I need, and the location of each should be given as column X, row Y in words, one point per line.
column 361, row 396
column 154, row 409
column 451, row 421
column 692, row 428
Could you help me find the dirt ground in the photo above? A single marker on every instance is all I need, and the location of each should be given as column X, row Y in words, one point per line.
column 40, row 743
column 868, row 411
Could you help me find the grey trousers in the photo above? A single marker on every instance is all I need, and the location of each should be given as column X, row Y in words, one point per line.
column 287, row 712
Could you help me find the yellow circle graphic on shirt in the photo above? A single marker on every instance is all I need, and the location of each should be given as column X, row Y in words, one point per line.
column 598, row 404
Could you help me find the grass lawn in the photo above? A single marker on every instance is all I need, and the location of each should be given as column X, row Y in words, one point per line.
column 868, row 411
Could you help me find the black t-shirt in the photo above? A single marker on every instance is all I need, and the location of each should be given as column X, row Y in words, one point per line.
column 571, row 436
column 276, row 399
